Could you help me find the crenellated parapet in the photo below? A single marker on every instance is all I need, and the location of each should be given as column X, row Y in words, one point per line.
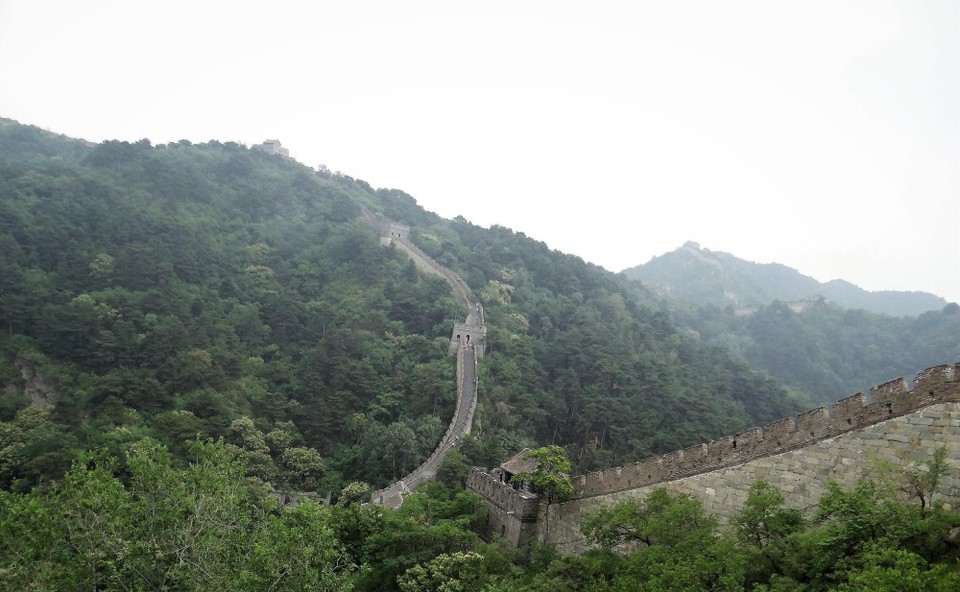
column 511, row 514
column 516, row 502
column 798, row 456
column 886, row 401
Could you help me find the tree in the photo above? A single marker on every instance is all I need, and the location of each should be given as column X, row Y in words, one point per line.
column 672, row 543
column 763, row 519
column 921, row 481
column 356, row 492
column 550, row 480
column 244, row 434
column 454, row 468
column 763, row 522
column 659, row 519
column 898, row 570
column 454, row 572
column 431, row 522
column 296, row 549
column 303, row 467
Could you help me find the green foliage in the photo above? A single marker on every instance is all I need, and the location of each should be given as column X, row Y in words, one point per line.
column 861, row 538
column 201, row 527
column 898, row 570
column 672, row 543
column 550, row 479
column 354, row 493
column 763, row 526
column 297, row 550
column 32, row 447
column 825, row 351
column 203, row 283
column 454, row 572
column 145, row 523
column 763, row 520
column 454, row 469
column 431, row 522
column 675, row 521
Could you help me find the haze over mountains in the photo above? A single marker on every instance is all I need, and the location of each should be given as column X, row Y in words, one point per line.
column 826, row 340
column 224, row 321
column 713, row 278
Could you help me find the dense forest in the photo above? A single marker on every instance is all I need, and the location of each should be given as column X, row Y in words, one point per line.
column 175, row 290
column 826, row 351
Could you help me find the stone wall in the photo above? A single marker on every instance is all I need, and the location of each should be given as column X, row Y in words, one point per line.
column 798, row 455
column 468, row 335
column 511, row 514
column 467, row 352
column 891, row 399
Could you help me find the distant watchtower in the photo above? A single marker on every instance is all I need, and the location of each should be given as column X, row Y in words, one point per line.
column 396, row 231
column 272, row 147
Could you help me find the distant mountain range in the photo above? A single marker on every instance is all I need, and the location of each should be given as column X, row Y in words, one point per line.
column 704, row 277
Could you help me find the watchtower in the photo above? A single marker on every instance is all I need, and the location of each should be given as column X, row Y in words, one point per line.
column 468, row 335
column 396, row 231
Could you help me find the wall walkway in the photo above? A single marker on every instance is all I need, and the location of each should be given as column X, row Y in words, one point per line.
column 467, row 353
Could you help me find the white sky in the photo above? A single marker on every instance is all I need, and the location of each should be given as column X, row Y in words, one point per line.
column 824, row 135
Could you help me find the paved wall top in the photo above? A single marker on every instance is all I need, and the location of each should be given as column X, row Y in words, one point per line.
column 467, row 351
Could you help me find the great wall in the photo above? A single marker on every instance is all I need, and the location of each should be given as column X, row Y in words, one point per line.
column 798, row 455
column 466, row 342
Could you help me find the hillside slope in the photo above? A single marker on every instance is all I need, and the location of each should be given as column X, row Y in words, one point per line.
column 207, row 289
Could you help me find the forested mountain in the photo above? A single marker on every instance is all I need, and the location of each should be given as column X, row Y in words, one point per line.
column 771, row 318
column 713, row 278
column 826, row 351
column 175, row 290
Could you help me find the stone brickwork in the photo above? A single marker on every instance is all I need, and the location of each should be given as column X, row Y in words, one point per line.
column 468, row 335
column 511, row 514
column 798, row 455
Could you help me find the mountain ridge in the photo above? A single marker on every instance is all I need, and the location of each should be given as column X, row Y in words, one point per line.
column 716, row 278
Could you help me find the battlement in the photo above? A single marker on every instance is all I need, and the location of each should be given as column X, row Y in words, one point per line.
column 502, row 495
column 511, row 515
column 889, row 400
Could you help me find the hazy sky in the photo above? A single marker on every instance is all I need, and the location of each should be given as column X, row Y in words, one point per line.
column 824, row 135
